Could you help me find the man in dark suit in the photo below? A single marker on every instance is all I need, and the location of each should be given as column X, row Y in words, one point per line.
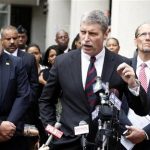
column 14, row 101
column 141, row 135
column 67, row 79
column 9, row 36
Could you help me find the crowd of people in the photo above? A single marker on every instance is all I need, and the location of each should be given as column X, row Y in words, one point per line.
column 39, row 89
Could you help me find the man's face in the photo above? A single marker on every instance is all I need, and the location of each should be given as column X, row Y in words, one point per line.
column 142, row 40
column 10, row 40
column 22, row 40
column 92, row 38
column 62, row 38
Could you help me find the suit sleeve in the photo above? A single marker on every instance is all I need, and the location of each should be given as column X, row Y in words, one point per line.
column 21, row 102
column 49, row 98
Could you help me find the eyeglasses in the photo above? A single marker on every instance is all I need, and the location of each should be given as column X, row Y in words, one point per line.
column 144, row 34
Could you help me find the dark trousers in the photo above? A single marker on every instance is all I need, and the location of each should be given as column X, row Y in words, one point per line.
column 16, row 143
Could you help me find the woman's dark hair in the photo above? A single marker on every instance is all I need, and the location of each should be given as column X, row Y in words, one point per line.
column 45, row 60
column 74, row 41
column 33, row 45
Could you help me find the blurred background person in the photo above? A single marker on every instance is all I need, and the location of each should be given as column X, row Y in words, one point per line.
column 35, row 50
column 76, row 42
column 48, row 60
column 22, row 38
column 113, row 45
column 62, row 40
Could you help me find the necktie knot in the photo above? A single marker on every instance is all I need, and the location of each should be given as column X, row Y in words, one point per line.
column 92, row 59
column 143, row 65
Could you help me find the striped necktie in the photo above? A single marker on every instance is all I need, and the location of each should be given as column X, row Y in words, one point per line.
column 142, row 76
column 90, row 80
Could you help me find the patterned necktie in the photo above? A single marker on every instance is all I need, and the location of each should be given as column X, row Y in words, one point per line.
column 142, row 76
column 90, row 80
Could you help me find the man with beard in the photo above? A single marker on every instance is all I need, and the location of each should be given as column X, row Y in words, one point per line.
column 140, row 134
column 62, row 40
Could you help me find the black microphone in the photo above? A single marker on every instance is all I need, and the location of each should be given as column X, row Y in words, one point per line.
column 83, row 138
column 53, row 131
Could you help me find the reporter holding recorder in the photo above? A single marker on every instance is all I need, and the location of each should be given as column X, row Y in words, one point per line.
column 72, row 78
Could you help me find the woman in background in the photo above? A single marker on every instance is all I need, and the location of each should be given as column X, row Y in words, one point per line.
column 113, row 45
column 49, row 59
column 76, row 42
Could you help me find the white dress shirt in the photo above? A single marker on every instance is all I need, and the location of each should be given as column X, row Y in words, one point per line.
column 85, row 61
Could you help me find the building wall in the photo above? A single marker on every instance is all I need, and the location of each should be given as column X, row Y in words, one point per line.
column 78, row 7
column 38, row 29
column 58, row 17
column 127, row 15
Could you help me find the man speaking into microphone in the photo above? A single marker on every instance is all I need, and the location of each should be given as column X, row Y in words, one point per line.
column 72, row 77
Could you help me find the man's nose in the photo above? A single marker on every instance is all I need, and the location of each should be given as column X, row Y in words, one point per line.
column 86, row 36
column 12, row 40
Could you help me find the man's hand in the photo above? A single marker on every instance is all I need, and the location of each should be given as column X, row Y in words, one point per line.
column 41, row 79
column 7, row 130
column 128, row 75
column 44, row 147
column 135, row 135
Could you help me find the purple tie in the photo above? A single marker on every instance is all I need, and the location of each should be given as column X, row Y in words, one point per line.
column 90, row 80
column 142, row 76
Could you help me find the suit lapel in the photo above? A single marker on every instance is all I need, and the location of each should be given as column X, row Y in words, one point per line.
column 109, row 64
column 6, row 69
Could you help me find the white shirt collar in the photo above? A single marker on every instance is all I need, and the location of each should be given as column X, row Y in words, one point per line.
column 14, row 53
column 139, row 62
column 101, row 54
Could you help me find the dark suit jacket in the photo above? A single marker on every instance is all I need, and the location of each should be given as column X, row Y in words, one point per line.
column 66, row 76
column 14, row 91
column 29, row 63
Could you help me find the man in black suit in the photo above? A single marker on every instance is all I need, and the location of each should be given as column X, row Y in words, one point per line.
column 9, row 36
column 67, row 79
column 14, row 101
column 141, row 135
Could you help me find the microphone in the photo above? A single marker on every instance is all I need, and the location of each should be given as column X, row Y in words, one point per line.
column 114, row 94
column 54, row 132
column 100, row 86
column 82, row 130
column 83, row 140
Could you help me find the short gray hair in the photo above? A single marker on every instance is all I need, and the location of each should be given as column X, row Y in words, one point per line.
column 95, row 17
column 6, row 28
